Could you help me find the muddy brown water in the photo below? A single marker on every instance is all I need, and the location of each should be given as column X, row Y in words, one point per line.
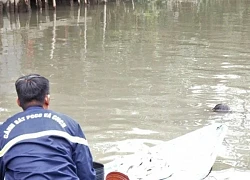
column 134, row 74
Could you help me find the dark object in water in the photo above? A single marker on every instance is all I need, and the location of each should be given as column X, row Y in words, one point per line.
column 221, row 108
column 99, row 169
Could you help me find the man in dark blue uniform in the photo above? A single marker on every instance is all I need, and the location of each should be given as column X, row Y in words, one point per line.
column 38, row 143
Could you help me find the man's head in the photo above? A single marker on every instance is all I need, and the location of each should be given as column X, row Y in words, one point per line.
column 32, row 90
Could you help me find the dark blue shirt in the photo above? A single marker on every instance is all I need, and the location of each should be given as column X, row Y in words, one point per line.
column 43, row 144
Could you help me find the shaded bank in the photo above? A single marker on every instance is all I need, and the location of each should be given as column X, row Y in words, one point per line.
column 27, row 5
column 16, row 6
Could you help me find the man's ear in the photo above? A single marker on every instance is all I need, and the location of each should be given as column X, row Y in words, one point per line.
column 18, row 102
column 47, row 100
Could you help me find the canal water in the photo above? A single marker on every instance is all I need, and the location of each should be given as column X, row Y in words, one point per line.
column 135, row 74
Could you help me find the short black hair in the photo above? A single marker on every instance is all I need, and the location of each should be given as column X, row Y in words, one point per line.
column 32, row 88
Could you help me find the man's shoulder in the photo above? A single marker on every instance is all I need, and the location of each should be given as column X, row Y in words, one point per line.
column 68, row 123
column 10, row 119
column 61, row 115
column 58, row 116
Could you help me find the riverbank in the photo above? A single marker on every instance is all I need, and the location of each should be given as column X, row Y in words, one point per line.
column 17, row 6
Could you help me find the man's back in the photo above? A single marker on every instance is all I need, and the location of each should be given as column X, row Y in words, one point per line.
column 42, row 144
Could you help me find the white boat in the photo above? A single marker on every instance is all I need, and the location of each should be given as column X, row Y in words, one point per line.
column 188, row 157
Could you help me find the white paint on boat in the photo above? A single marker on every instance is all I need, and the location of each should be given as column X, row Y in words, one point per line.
column 190, row 156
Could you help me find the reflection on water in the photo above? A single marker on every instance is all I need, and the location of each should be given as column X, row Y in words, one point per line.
column 133, row 74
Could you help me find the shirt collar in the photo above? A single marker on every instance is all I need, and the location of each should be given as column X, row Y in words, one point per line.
column 34, row 107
